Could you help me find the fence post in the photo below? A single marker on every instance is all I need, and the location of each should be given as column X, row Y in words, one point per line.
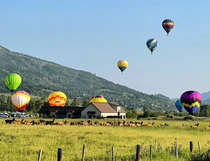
column 199, row 147
column 177, row 151
column 40, row 154
column 138, row 152
column 112, row 153
column 191, row 146
column 83, row 153
column 60, row 154
column 150, row 152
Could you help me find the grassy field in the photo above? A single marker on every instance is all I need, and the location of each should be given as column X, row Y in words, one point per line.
column 23, row 142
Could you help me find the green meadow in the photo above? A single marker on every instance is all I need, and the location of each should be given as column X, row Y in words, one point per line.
column 23, row 142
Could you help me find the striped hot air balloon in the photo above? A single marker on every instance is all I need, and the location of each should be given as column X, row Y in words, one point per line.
column 191, row 101
column 99, row 98
column 168, row 25
column 122, row 65
column 152, row 44
column 20, row 99
column 57, row 99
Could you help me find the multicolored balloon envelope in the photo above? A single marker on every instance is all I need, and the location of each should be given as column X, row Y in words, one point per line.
column 57, row 99
column 191, row 101
column 13, row 81
column 179, row 106
column 20, row 99
column 122, row 65
column 168, row 25
column 152, row 44
column 99, row 98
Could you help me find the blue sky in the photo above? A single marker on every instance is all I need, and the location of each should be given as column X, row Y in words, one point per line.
column 92, row 35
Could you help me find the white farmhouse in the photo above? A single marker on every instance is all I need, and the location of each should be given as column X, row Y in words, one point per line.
column 103, row 109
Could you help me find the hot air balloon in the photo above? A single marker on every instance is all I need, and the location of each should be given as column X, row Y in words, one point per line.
column 168, row 25
column 13, row 81
column 152, row 44
column 122, row 65
column 99, row 98
column 179, row 106
column 191, row 101
column 57, row 99
column 20, row 99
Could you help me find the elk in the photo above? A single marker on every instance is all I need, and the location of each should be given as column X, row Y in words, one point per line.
column 9, row 121
column 194, row 126
column 50, row 122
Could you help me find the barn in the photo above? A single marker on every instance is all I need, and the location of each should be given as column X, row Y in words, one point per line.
column 103, row 109
column 61, row 111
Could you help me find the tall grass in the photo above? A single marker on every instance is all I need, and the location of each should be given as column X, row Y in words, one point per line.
column 23, row 142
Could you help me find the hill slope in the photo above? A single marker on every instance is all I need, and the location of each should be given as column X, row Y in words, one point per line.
column 40, row 78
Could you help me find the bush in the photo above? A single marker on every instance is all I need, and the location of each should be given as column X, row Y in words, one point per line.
column 189, row 117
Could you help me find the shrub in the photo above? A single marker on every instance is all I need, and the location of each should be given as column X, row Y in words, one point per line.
column 189, row 117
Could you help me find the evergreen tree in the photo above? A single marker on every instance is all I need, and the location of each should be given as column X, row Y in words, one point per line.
column 75, row 103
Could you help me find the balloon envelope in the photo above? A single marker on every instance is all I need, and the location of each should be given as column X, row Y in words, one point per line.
column 122, row 65
column 99, row 98
column 20, row 99
column 57, row 99
column 152, row 44
column 168, row 25
column 191, row 101
column 179, row 106
column 13, row 81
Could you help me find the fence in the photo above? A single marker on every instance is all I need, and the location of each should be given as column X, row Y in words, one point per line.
column 138, row 152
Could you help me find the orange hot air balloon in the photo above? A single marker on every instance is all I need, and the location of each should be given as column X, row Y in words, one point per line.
column 57, row 99
column 20, row 99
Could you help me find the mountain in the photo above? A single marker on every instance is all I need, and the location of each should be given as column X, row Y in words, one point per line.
column 162, row 96
column 40, row 78
column 205, row 96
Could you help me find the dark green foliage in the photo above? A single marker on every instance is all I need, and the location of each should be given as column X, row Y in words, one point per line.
column 131, row 113
column 40, row 78
column 189, row 117
column 75, row 103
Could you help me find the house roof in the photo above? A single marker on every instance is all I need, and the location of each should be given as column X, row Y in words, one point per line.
column 60, row 109
column 105, row 107
column 114, row 104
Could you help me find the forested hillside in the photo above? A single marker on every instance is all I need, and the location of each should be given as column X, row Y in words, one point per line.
column 40, row 78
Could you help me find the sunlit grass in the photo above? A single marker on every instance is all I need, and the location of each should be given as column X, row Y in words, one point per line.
column 23, row 142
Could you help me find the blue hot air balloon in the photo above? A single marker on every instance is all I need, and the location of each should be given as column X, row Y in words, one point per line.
column 152, row 44
column 179, row 106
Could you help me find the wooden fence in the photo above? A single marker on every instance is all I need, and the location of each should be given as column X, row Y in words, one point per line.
column 138, row 152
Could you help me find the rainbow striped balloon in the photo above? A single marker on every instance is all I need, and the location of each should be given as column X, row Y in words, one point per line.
column 99, row 98
column 20, row 99
column 168, row 25
column 57, row 99
column 152, row 44
column 122, row 65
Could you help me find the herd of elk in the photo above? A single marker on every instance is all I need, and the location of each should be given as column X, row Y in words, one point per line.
column 89, row 122
column 112, row 123
column 34, row 122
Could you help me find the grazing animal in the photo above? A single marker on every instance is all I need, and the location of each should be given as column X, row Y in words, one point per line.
column 61, row 123
column 9, row 121
column 50, row 122
column 194, row 126
column 207, row 127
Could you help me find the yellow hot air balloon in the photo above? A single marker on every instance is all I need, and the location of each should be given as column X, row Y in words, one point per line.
column 57, row 99
column 122, row 65
column 99, row 98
